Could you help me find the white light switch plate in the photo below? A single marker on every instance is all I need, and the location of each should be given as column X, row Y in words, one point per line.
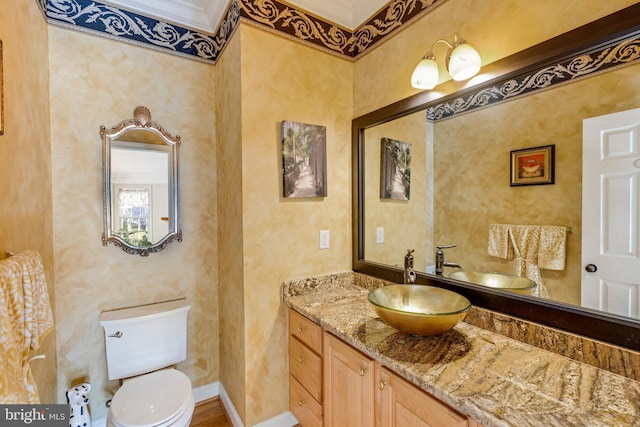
column 380, row 235
column 324, row 239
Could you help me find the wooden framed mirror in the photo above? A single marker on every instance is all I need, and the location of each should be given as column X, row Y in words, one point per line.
column 140, row 165
column 597, row 50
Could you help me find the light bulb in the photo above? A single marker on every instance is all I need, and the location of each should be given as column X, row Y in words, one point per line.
column 425, row 75
column 463, row 62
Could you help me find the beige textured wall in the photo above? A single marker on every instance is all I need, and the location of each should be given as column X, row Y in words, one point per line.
column 282, row 80
column 96, row 81
column 230, row 223
column 497, row 29
column 398, row 217
column 25, row 159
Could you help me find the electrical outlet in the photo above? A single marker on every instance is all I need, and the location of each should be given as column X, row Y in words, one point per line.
column 324, row 239
column 380, row 235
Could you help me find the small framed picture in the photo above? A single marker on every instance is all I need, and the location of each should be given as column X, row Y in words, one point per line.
column 304, row 160
column 533, row 166
column 395, row 169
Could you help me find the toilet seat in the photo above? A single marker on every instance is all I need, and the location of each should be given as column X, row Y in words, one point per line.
column 157, row 399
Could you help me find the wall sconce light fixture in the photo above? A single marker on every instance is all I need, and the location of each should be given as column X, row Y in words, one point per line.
column 463, row 62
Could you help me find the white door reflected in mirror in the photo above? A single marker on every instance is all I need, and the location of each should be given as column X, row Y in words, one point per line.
column 610, row 194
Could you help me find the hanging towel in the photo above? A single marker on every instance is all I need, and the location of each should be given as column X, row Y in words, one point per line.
column 25, row 319
column 499, row 241
column 525, row 244
column 525, row 240
column 553, row 247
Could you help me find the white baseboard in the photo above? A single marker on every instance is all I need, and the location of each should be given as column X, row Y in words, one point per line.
column 286, row 419
column 208, row 391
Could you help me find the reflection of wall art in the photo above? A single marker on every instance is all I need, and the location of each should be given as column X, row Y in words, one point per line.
column 395, row 169
column 304, row 160
column 1, row 94
column 533, row 166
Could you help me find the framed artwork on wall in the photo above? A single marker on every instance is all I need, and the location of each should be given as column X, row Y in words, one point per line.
column 395, row 169
column 533, row 166
column 304, row 160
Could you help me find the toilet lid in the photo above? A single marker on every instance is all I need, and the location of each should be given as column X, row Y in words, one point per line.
column 151, row 399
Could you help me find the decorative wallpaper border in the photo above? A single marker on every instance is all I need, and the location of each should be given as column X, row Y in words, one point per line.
column 387, row 22
column 100, row 19
column 108, row 21
column 585, row 64
column 280, row 17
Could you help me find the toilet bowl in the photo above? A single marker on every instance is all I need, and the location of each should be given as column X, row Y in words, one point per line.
column 159, row 399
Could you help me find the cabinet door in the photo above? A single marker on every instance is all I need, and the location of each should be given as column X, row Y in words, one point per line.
column 401, row 404
column 348, row 385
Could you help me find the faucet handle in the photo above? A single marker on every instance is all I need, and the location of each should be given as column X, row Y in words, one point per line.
column 446, row 246
column 408, row 258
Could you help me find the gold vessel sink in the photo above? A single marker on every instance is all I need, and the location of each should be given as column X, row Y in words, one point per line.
column 496, row 280
column 419, row 309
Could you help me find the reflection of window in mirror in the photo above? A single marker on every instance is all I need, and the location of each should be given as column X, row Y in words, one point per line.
column 140, row 189
column 133, row 212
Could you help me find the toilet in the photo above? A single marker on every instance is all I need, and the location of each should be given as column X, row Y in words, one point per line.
column 142, row 343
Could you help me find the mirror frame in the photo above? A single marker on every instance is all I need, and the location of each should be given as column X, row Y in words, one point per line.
column 592, row 37
column 141, row 121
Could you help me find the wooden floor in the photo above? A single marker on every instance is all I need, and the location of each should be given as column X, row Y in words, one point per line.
column 210, row 413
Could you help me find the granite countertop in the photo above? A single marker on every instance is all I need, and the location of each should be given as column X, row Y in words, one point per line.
column 495, row 380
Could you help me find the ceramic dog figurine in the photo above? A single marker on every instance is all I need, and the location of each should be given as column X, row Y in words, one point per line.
column 78, row 399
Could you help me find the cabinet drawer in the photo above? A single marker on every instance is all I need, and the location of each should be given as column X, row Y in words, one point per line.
column 304, row 407
column 306, row 367
column 306, row 331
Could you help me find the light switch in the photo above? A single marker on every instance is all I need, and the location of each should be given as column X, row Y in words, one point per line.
column 380, row 235
column 324, row 239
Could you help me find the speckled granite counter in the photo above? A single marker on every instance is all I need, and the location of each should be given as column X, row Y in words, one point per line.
column 495, row 380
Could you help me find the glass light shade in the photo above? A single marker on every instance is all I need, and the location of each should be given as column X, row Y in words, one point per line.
column 425, row 75
column 463, row 62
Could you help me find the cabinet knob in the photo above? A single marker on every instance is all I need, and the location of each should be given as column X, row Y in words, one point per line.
column 300, row 402
column 381, row 384
column 591, row 268
column 300, row 329
column 362, row 371
column 300, row 359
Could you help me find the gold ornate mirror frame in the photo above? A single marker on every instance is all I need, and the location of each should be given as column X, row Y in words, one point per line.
column 142, row 135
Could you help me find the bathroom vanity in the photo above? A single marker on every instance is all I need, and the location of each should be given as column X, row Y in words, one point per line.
column 356, row 388
column 466, row 376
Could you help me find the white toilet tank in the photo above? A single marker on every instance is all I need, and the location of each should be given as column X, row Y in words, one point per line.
column 145, row 338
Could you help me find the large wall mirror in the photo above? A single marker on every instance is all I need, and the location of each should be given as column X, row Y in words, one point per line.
column 462, row 138
column 140, row 185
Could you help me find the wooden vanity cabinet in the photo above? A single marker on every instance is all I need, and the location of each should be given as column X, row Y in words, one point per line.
column 399, row 403
column 305, row 370
column 332, row 384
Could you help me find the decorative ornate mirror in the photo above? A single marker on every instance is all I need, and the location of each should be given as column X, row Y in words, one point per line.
column 140, row 164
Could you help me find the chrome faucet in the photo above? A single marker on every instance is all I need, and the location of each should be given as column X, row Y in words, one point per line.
column 441, row 263
column 409, row 273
